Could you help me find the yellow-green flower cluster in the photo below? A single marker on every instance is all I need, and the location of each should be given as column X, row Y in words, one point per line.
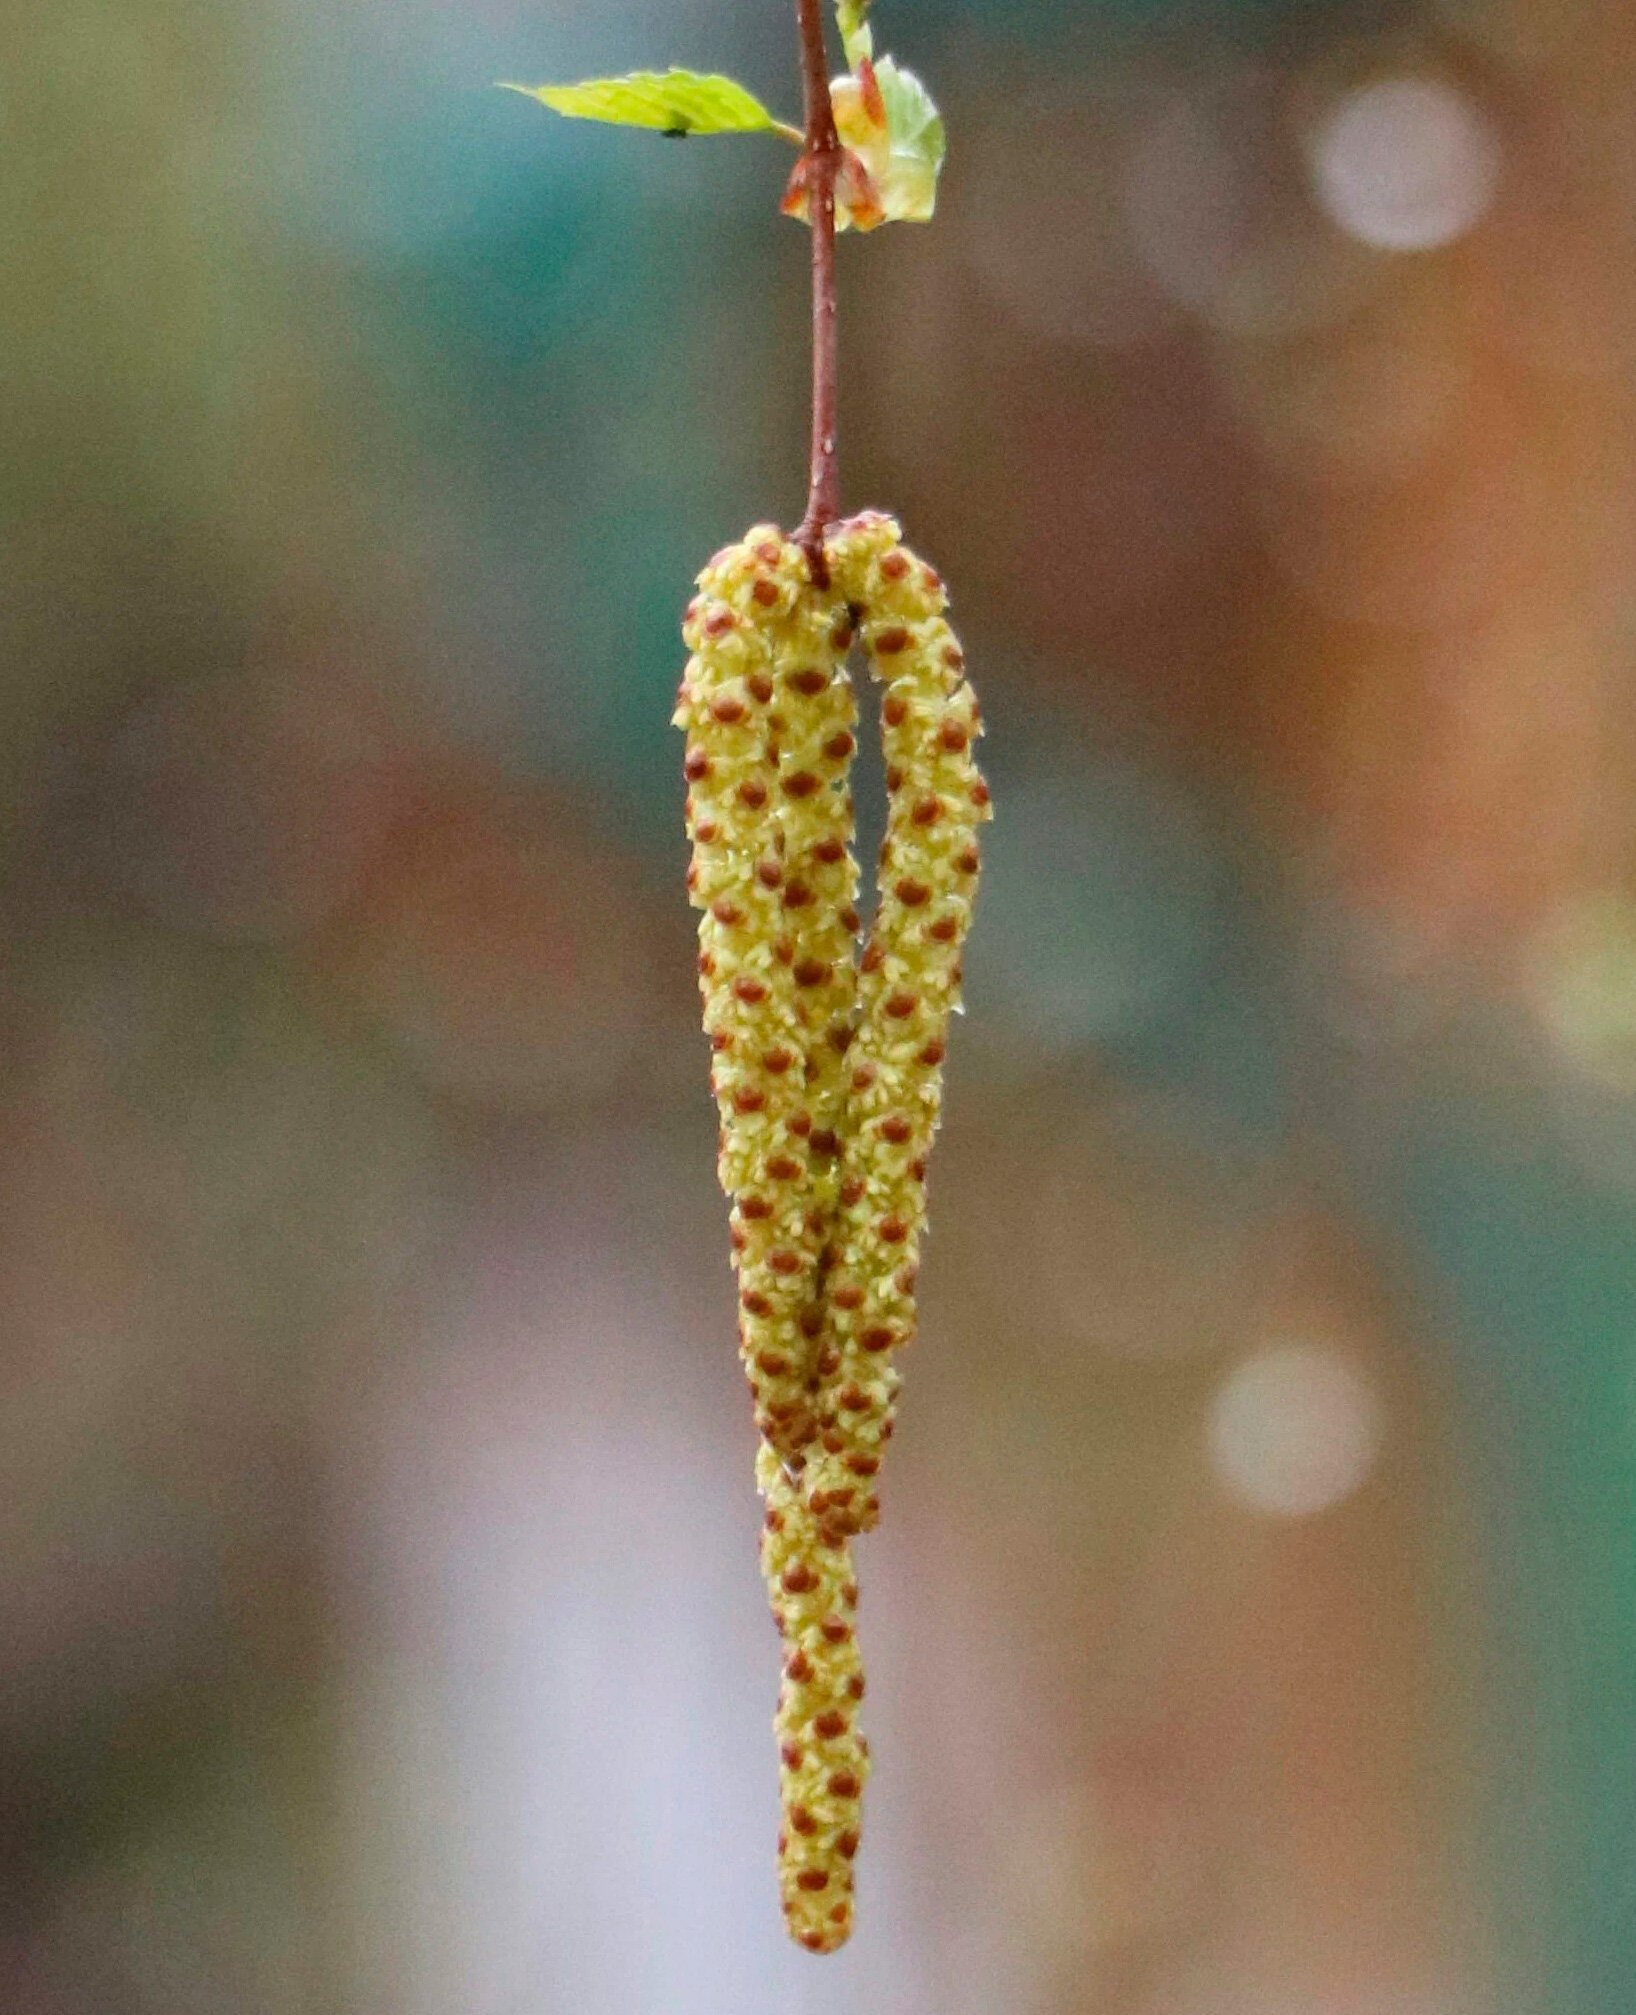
column 828, row 1077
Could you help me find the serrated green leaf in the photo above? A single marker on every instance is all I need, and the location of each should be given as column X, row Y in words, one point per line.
column 675, row 101
column 853, row 16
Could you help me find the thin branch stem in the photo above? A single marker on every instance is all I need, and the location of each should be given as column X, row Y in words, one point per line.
column 823, row 160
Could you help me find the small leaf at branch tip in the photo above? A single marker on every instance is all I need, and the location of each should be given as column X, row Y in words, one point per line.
column 892, row 146
column 676, row 102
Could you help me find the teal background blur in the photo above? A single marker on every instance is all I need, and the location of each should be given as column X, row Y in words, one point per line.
column 1253, row 1624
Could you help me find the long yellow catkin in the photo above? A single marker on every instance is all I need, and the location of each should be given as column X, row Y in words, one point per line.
column 936, row 801
column 764, row 696
column 828, row 1079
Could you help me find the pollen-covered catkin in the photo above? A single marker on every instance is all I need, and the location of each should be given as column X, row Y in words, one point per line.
column 828, row 1075
column 910, row 983
column 823, row 1756
column 760, row 702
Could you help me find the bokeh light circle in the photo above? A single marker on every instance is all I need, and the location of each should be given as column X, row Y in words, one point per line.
column 1293, row 1430
column 1405, row 164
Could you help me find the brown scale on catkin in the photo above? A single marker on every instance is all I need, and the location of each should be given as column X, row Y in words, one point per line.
column 909, row 985
column 764, row 703
column 823, row 1756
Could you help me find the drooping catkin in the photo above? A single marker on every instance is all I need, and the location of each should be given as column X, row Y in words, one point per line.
column 828, row 1077
column 910, row 984
column 823, row 1756
column 760, row 701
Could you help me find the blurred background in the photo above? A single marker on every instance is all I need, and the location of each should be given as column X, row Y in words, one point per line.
column 1252, row 1630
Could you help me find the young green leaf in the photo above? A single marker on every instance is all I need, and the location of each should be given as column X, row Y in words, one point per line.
column 894, row 145
column 853, row 16
column 913, row 121
column 675, row 102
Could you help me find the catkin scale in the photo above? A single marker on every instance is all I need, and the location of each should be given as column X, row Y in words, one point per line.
column 828, row 1076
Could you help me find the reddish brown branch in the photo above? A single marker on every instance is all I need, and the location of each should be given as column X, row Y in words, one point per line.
column 823, row 160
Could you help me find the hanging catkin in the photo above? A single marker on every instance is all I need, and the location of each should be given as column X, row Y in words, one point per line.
column 768, row 714
column 828, row 1078
column 910, row 984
